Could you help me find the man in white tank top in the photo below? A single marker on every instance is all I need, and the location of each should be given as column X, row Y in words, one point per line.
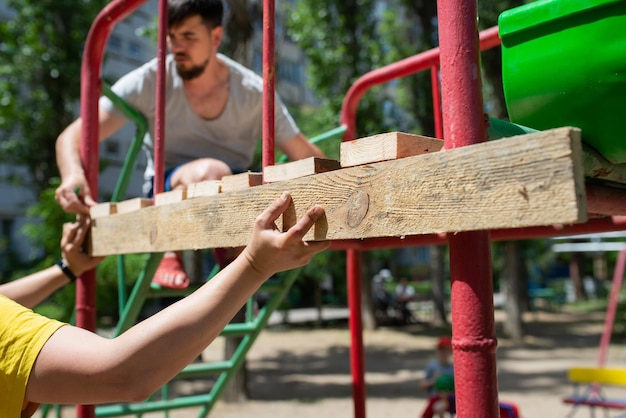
column 213, row 115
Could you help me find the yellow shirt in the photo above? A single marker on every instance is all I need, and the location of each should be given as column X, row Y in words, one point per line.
column 23, row 333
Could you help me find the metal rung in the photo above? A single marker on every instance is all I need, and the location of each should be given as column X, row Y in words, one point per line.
column 153, row 406
column 201, row 369
column 239, row 330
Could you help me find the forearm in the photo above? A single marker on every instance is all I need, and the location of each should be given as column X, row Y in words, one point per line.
column 33, row 289
column 124, row 369
column 67, row 151
column 183, row 330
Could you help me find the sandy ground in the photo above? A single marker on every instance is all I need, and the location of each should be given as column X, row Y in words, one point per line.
column 302, row 372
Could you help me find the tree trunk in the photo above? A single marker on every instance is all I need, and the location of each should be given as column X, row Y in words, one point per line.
column 437, row 280
column 318, row 305
column 576, row 276
column 367, row 304
column 513, row 275
column 237, row 388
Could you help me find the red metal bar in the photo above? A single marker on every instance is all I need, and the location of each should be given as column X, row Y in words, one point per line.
column 268, row 82
column 434, row 81
column 473, row 328
column 618, row 277
column 617, row 223
column 609, row 201
column 416, row 63
column 357, row 363
column 91, row 86
column 159, row 123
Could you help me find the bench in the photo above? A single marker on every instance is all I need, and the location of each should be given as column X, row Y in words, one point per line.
column 588, row 392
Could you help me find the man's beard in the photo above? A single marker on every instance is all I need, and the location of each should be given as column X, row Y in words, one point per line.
column 193, row 72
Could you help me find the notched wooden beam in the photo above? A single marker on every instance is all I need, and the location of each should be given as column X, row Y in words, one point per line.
column 241, row 181
column 384, row 147
column 204, row 188
column 301, row 168
column 530, row 180
column 173, row 196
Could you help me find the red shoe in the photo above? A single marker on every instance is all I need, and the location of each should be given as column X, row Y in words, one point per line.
column 171, row 274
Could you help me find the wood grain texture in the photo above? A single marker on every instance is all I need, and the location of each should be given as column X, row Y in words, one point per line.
column 529, row 180
column 241, row 181
column 132, row 205
column 301, row 168
column 173, row 196
column 103, row 209
column 384, row 147
column 204, row 188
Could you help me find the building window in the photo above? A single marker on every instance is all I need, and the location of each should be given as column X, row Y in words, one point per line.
column 115, row 43
column 290, row 71
column 134, row 49
column 111, row 148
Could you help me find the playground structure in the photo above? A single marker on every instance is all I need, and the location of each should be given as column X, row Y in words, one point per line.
column 576, row 208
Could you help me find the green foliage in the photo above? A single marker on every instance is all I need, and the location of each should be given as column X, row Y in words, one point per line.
column 40, row 63
column 341, row 43
column 45, row 232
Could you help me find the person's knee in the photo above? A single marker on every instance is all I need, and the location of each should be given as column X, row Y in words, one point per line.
column 200, row 170
column 212, row 169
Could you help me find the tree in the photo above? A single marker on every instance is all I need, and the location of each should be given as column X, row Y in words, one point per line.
column 341, row 41
column 40, row 59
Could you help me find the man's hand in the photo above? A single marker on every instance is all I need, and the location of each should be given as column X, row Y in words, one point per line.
column 74, row 196
column 72, row 246
column 271, row 251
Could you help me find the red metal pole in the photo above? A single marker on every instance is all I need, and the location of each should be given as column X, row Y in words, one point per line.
column 357, row 363
column 159, row 123
column 473, row 324
column 268, row 82
column 617, row 223
column 609, row 320
column 416, row 63
column 89, row 93
column 603, row 200
column 434, row 81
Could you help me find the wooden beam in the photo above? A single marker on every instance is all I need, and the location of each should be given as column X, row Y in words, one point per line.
column 102, row 209
column 529, row 180
column 173, row 196
column 132, row 205
column 387, row 146
column 204, row 188
column 301, row 168
column 241, row 181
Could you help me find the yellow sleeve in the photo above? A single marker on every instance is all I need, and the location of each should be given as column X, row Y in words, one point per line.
column 23, row 333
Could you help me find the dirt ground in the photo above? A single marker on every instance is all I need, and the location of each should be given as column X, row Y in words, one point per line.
column 303, row 372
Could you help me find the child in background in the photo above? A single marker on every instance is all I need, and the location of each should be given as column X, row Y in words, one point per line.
column 442, row 365
column 443, row 403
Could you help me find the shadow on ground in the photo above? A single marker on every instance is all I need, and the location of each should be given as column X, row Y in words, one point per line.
column 309, row 370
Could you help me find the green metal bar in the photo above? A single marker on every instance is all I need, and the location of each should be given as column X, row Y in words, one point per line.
column 156, row 291
column 202, row 369
column 240, row 353
column 227, row 369
column 138, row 295
column 238, row 329
column 154, row 406
column 333, row 133
column 501, row 129
column 121, row 284
column 122, row 183
column 250, row 309
column 142, row 127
